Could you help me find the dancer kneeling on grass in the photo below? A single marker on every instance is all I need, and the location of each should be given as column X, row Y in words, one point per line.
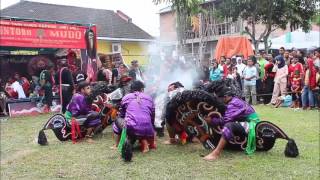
column 137, row 113
column 80, row 108
column 239, row 119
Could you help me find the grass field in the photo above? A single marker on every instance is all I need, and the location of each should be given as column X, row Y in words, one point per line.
column 22, row 158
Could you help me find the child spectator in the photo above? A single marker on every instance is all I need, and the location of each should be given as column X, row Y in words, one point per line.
column 293, row 67
column 215, row 72
column 296, row 86
column 284, row 101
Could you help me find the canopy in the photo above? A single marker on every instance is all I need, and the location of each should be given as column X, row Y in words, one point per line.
column 296, row 39
column 230, row 46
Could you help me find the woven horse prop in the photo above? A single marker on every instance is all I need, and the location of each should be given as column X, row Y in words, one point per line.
column 104, row 101
column 186, row 112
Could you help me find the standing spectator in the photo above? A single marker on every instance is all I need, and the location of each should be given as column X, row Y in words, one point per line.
column 240, row 66
column 3, row 98
column 250, row 76
column 286, row 57
column 135, row 71
column 317, row 89
column 296, row 86
column 316, row 61
column 46, row 85
column 262, row 62
column 293, row 67
column 300, row 57
column 280, row 80
column 309, row 84
column 65, row 79
column 215, row 72
column 236, row 76
column 226, row 68
column 222, row 64
column 268, row 80
column 281, row 51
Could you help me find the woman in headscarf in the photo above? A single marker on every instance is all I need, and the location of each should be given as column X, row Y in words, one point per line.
column 280, row 79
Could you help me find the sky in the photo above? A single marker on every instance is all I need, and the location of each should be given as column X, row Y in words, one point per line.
column 143, row 12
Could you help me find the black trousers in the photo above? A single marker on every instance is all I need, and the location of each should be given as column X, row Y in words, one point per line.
column 66, row 97
column 47, row 94
column 269, row 83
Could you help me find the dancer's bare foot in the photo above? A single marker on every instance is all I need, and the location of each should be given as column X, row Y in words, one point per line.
column 212, row 156
column 170, row 141
column 145, row 150
column 90, row 140
column 144, row 145
column 195, row 140
column 114, row 147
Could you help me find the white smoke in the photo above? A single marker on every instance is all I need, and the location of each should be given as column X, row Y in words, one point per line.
column 164, row 69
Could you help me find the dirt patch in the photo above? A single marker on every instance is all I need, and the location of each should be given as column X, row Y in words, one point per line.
column 17, row 155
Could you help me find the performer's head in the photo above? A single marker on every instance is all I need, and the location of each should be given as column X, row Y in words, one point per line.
column 137, row 86
column 84, row 88
column 225, row 93
column 281, row 51
column 16, row 76
column 174, row 86
column 214, row 65
column 228, row 61
column 134, row 64
column 63, row 63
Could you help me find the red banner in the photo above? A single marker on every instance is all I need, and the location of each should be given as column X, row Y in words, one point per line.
column 41, row 35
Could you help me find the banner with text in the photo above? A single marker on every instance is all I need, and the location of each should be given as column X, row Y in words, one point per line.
column 41, row 35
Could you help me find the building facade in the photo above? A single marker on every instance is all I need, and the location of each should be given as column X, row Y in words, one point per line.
column 115, row 30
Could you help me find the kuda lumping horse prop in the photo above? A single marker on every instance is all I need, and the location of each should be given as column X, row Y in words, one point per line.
column 186, row 112
column 104, row 101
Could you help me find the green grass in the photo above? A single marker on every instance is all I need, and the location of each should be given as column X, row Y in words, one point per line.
column 22, row 158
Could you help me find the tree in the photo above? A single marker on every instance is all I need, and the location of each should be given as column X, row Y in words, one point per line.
column 184, row 9
column 272, row 14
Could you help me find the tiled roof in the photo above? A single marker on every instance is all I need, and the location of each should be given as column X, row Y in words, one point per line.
column 109, row 24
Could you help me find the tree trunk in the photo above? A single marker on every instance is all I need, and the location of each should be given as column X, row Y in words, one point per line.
column 256, row 46
column 179, row 31
column 266, row 44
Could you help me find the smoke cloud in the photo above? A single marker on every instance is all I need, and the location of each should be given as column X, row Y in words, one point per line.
column 164, row 69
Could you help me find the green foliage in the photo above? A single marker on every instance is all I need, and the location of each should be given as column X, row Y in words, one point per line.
column 278, row 13
column 184, row 9
column 316, row 19
column 273, row 14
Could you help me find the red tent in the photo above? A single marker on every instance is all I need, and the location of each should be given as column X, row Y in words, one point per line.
column 230, row 46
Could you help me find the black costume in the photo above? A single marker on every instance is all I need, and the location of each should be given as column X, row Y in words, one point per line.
column 46, row 85
column 66, row 86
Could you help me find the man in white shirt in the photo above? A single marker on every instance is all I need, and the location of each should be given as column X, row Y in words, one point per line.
column 135, row 71
column 250, row 75
column 16, row 86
